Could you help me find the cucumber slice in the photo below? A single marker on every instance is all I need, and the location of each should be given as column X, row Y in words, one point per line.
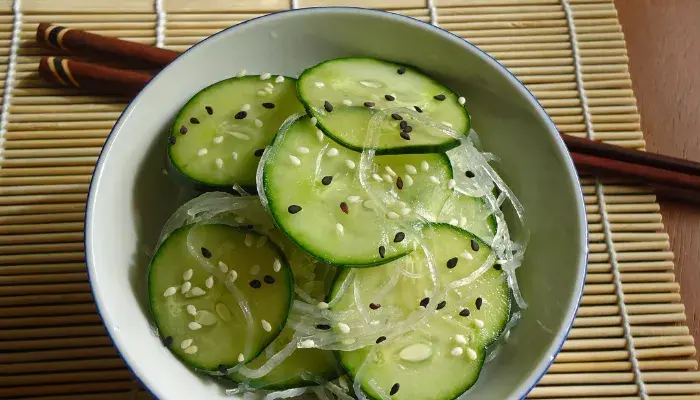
column 469, row 213
column 451, row 339
column 219, row 135
column 343, row 94
column 206, row 325
column 314, row 194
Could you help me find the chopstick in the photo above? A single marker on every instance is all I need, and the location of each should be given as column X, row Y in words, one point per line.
column 673, row 177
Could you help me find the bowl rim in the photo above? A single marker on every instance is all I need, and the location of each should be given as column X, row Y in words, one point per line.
column 544, row 363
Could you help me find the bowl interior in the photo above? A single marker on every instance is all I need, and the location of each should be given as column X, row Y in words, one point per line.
column 130, row 197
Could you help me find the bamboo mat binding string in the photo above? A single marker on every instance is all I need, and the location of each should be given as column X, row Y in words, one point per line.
column 53, row 136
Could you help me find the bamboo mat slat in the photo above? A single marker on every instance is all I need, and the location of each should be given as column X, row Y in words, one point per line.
column 52, row 344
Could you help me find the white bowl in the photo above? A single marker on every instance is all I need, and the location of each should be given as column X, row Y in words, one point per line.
column 130, row 198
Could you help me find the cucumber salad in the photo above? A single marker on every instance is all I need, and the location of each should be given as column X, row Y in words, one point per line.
column 350, row 239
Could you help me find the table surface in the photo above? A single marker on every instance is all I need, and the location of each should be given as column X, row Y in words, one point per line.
column 663, row 42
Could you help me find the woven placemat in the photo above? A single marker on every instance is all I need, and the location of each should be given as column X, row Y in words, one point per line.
column 629, row 340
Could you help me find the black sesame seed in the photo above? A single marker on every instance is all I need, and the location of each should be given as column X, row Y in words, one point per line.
column 223, row 369
column 255, row 284
column 420, row 110
column 394, row 389
column 452, row 262
column 269, row 106
column 389, row 97
column 408, row 129
column 380, row 339
column 293, row 209
column 369, row 104
column 382, row 251
column 405, row 135
column 344, row 207
column 269, row 279
column 469, row 174
column 464, row 313
column 328, row 106
column 401, row 70
column 396, row 116
column 424, row 302
column 259, row 152
column 403, row 124
column 194, row 120
column 399, row 237
column 167, row 341
column 206, row 253
column 247, row 227
column 399, row 182
column 439, row 97
column 323, row 327
column 172, row 139
column 475, row 245
column 479, row 301
column 375, row 306
column 183, row 130
column 327, row 180
column 240, row 115
column 497, row 267
column 441, row 305
column 210, row 110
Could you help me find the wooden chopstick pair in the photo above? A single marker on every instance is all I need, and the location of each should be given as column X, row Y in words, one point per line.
column 671, row 176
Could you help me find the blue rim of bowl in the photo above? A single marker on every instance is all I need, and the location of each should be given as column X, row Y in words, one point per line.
column 541, row 111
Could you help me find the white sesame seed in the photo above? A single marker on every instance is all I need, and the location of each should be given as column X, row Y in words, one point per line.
column 191, row 350
column 198, row 291
column 307, row 344
column 388, row 178
column 268, row 90
column 202, row 152
column 457, row 351
column 390, row 171
column 370, row 84
column 218, row 139
column 447, row 124
column 350, row 164
column 279, row 79
column 434, row 179
column 332, row 152
column 322, row 305
column 186, row 287
column 466, row 255
column 241, row 73
column 239, row 135
column 354, row 199
column 463, row 222
column 194, row 325
column 186, row 343
column 295, row 160
column 479, row 323
column 192, row 310
column 343, row 327
column 258, row 123
column 407, row 180
column 314, row 121
column 209, row 283
column 265, row 76
column 170, row 291
column 375, row 322
column 249, row 239
column 241, row 358
column 347, row 102
column 392, row 215
column 424, row 166
column 232, row 275
column 223, row 267
column 416, row 352
column 451, row 184
column 269, row 85
column 377, row 177
column 246, row 107
column 319, row 84
column 368, row 204
column 234, row 155
column 461, row 100
column 405, row 211
column 266, row 326
column 219, row 163
column 471, row 354
column 460, row 339
column 411, row 169
column 303, row 150
column 262, row 93
column 340, row 229
column 319, row 135
column 276, row 265
column 255, row 269
column 164, row 171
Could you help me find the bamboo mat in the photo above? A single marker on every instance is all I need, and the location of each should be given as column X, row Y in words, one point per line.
column 629, row 340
